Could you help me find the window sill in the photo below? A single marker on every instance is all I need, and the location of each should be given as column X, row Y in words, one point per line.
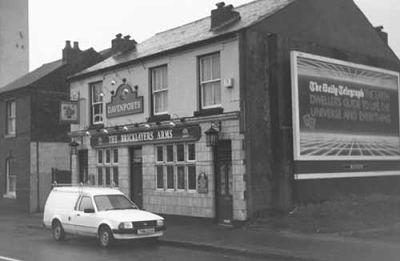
column 96, row 126
column 10, row 195
column 10, row 136
column 161, row 117
column 209, row 111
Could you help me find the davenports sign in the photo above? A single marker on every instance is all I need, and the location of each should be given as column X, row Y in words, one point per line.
column 124, row 102
column 157, row 135
column 344, row 111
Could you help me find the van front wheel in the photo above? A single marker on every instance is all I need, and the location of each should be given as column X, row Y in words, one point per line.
column 58, row 231
column 105, row 236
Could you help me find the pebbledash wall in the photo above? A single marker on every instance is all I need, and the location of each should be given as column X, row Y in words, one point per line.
column 183, row 104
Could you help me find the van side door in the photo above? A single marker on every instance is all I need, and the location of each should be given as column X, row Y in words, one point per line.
column 84, row 223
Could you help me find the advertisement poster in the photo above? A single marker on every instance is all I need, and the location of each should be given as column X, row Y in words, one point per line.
column 343, row 110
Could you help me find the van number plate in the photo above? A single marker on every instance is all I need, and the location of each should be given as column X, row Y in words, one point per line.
column 145, row 231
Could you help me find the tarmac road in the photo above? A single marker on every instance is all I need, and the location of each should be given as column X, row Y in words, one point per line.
column 20, row 242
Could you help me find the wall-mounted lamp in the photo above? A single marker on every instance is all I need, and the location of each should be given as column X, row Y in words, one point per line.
column 211, row 136
column 172, row 124
column 101, row 94
column 147, row 126
column 73, row 145
column 125, row 128
column 105, row 131
column 113, row 82
column 87, row 133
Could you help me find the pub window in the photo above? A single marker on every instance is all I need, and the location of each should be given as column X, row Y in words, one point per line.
column 180, row 152
column 99, row 156
column 115, row 176
column 159, row 87
column 160, row 153
column 108, row 156
column 181, row 177
column 99, row 176
column 191, row 152
column 170, row 177
column 10, row 117
column 96, row 99
column 170, row 153
column 210, row 81
column 176, row 170
column 115, row 155
column 107, row 167
column 160, row 177
column 192, row 177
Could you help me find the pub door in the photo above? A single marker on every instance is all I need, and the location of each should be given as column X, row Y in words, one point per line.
column 83, row 166
column 224, row 182
column 136, row 188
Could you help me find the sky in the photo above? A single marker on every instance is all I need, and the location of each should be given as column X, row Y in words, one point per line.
column 94, row 23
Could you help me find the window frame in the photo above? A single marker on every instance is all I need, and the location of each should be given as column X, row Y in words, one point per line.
column 99, row 103
column 165, row 166
column 108, row 170
column 202, row 83
column 164, row 89
column 10, row 105
column 8, row 193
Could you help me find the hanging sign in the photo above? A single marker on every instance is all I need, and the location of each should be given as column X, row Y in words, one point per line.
column 69, row 112
column 124, row 102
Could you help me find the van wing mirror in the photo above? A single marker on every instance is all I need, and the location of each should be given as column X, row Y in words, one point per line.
column 88, row 210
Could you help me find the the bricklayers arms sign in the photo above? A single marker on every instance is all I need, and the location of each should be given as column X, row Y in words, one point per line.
column 124, row 102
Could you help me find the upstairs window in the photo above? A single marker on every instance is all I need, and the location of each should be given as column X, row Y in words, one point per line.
column 210, row 81
column 159, row 88
column 96, row 99
column 10, row 117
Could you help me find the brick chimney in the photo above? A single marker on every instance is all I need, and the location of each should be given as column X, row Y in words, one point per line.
column 223, row 16
column 383, row 35
column 69, row 54
column 120, row 44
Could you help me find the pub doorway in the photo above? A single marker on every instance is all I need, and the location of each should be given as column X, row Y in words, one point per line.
column 136, row 175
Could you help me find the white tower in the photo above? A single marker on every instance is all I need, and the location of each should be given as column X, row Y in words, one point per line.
column 14, row 40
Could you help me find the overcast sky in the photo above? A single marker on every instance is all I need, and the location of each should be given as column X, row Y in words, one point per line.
column 94, row 23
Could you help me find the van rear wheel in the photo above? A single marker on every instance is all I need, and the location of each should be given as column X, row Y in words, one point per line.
column 105, row 236
column 58, row 231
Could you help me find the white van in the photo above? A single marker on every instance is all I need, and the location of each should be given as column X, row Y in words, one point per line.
column 105, row 213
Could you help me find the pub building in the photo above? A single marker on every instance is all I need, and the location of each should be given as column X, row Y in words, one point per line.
column 213, row 119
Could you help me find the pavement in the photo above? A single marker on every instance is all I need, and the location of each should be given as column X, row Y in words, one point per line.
column 261, row 242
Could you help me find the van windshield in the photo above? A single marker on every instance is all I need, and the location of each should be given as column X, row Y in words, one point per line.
column 113, row 202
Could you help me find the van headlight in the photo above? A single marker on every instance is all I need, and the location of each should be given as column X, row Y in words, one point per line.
column 160, row 223
column 125, row 225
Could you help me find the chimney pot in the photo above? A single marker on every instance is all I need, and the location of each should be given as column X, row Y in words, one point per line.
column 76, row 45
column 223, row 16
column 220, row 5
column 118, row 36
column 127, row 37
column 67, row 44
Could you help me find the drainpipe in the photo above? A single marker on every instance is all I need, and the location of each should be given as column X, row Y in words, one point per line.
column 37, row 178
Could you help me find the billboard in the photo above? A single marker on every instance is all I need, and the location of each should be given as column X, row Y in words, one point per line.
column 343, row 111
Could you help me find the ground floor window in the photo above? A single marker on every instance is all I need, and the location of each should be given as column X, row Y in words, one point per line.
column 11, row 181
column 176, row 167
column 107, row 167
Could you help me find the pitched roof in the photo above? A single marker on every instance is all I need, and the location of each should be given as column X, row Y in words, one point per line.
column 191, row 33
column 32, row 77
